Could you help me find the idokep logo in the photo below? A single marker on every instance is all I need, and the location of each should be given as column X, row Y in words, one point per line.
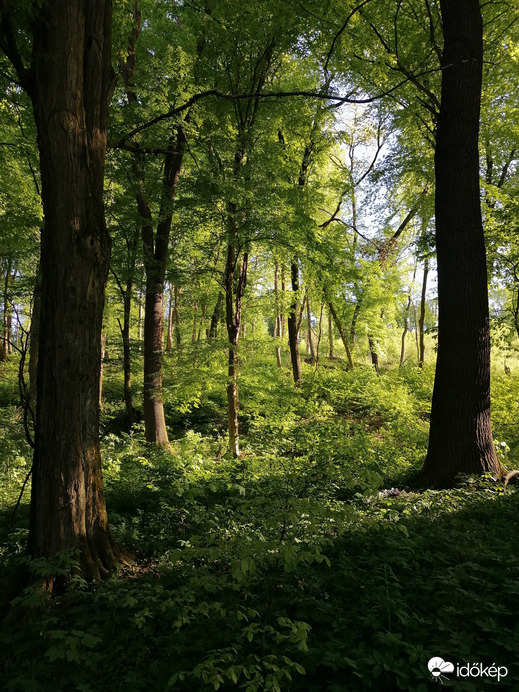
column 438, row 667
column 439, row 670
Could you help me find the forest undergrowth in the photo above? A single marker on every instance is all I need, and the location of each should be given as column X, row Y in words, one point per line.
column 306, row 564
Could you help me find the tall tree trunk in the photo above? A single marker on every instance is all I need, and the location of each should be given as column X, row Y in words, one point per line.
column 235, row 282
column 373, row 351
column 215, row 317
column 104, row 340
column 34, row 341
column 342, row 333
column 460, row 437
column 70, row 87
column 283, row 291
column 354, row 319
column 6, row 339
column 139, row 317
column 195, row 323
column 155, row 259
column 127, row 294
column 331, row 354
column 277, row 319
column 406, row 317
column 155, row 251
column 421, row 321
column 293, row 330
column 405, row 330
column 169, row 339
column 202, row 322
column 178, row 336
column 309, row 329
column 416, row 330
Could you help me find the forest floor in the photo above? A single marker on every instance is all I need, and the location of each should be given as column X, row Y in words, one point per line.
column 303, row 565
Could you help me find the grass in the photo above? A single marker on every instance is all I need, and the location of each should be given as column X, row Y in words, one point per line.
column 287, row 569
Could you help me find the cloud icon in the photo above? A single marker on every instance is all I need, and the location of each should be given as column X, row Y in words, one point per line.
column 437, row 666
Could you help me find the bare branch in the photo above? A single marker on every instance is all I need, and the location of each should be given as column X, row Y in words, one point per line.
column 341, row 30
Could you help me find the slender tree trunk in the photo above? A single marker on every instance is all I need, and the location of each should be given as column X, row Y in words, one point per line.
column 34, row 341
column 155, row 259
column 331, row 354
column 406, row 329
column 421, row 321
column 460, row 437
column 354, row 319
column 406, row 318
column 104, row 339
column 342, row 333
column 215, row 318
column 283, row 291
column 140, row 321
column 309, row 329
column 195, row 323
column 295, row 358
column 235, row 282
column 277, row 319
column 178, row 336
column 125, row 334
column 416, row 330
column 169, row 339
column 6, row 339
column 70, row 90
column 155, row 251
column 373, row 351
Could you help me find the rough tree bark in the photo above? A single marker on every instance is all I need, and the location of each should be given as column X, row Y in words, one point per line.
column 69, row 81
column 155, row 251
column 460, row 438
column 155, row 258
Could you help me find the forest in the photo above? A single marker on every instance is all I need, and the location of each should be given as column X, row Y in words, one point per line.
column 259, row 349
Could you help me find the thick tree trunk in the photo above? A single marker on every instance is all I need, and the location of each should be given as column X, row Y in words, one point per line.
column 154, row 420
column 460, row 438
column 70, row 90
column 293, row 330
